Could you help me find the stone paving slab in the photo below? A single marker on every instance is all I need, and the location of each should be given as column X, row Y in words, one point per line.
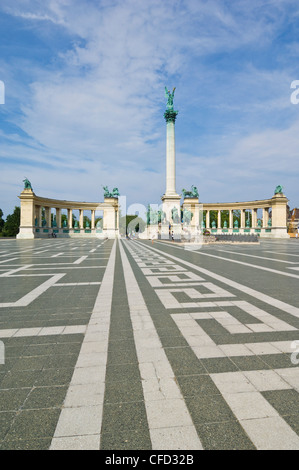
column 130, row 345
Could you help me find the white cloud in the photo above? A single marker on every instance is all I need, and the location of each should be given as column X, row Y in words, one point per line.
column 99, row 108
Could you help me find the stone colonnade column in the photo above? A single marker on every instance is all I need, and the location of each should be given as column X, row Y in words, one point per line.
column 207, row 219
column 70, row 218
column 93, row 219
column 219, row 219
column 58, row 217
column 231, row 219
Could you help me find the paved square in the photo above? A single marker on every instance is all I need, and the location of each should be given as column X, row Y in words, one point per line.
column 129, row 345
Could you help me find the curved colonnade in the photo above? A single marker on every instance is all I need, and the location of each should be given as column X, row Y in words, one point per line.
column 36, row 217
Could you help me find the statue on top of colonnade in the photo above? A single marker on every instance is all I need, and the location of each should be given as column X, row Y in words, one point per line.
column 115, row 192
column 192, row 193
column 27, row 184
column 278, row 189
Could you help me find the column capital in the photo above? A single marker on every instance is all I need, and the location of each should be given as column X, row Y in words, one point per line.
column 170, row 115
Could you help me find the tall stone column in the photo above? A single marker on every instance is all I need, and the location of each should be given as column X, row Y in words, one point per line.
column 254, row 218
column 208, row 219
column 70, row 218
column 48, row 217
column 231, row 218
column 171, row 200
column 219, row 220
column 265, row 217
column 242, row 218
column 58, row 217
column 81, row 220
column 93, row 219
column 39, row 215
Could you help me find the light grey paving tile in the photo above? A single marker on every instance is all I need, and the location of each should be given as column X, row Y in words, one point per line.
column 262, row 348
column 232, row 350
column 249, row 405
column 232, row 382
column 175, row 438
column 264, row 380
column 84, row 395
column 89, row 375
column 271, row 433
column 76, row 443
column 84, row 420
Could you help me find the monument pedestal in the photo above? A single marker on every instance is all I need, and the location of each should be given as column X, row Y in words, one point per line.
column 171, row 206
column 192, row 228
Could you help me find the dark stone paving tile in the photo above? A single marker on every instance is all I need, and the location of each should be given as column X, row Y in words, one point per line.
column 9, row 364
column 6, row 420
column 19, row 379
column 12, row 400
column 35, row 444
column 174, row 342
column 126, row 440
column 197, row 385
column 66, row 348
column 38, row 350
column 250, row 362
column 45, row 397
column 184, row 361
column 123, row 392
column 293, row 421
column 212, row 327
column 218, row 365
column 227, row 435
column 30, row 363
column 278, row 361
column 122, row 372
column 50, row 377
column 14, row 351
column 122, row 345
column 29, row 424
column 124, row 416
column 77, row 338
column 286, row 402
column 121, row 334
column 61, row 361
column 121, row 356
column 209, row 409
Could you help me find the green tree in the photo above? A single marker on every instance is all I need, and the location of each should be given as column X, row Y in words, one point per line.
column 1, row 221
column 12, row 224
column 128, row 224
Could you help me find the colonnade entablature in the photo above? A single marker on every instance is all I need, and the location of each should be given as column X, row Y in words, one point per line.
column 243, row 217
column 43, row 217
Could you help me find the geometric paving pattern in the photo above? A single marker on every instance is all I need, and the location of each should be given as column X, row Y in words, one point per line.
column 230, row 338
column 131, row 346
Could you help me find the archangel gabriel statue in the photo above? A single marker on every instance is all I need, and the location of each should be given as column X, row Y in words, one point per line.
column 169, row 97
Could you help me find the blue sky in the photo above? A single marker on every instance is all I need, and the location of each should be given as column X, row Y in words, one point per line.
column 84, row 98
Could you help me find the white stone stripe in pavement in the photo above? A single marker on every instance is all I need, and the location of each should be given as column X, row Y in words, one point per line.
column 80, row 421
column 43, row 331
column 170, row 424
column 247, row 290
column 34, row 294
column 263, row 424
column 258, row 257
column 229, row 260
column 77, row 284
